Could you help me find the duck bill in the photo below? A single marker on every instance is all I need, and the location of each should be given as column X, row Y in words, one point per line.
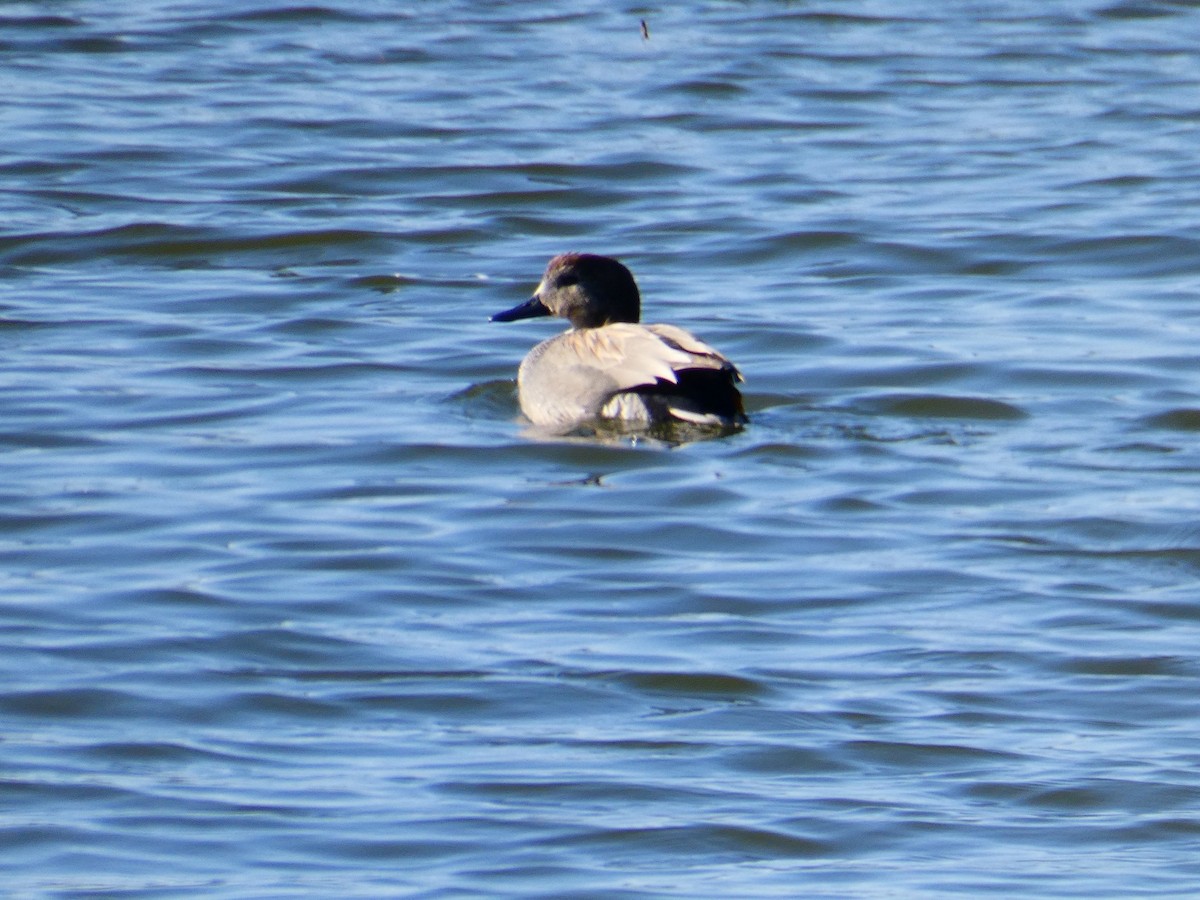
column 530, row 309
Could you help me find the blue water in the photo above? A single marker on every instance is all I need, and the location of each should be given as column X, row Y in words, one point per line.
column 294, row 605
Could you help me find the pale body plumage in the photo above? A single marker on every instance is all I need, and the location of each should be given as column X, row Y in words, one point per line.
column 608, row 367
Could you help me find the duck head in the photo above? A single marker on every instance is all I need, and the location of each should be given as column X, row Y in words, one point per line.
column 587, row 290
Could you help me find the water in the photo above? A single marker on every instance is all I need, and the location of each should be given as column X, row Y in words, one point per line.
column 292, row 606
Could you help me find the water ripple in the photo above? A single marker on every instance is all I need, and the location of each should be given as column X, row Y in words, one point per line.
column 294, row 604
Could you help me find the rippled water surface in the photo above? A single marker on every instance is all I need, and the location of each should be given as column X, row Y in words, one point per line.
column 293, row 605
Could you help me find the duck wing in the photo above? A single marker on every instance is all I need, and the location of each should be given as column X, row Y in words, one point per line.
column 630, row 356
column 701, row 355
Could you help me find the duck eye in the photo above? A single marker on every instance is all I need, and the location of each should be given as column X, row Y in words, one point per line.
column 566, row 281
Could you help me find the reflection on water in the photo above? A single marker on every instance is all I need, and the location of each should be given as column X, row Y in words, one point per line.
column 294, row 598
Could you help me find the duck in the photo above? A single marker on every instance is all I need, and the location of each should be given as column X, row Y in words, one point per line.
column 607, row 367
